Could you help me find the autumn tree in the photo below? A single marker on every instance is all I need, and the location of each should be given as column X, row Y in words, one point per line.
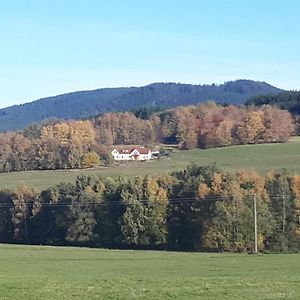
column 279, row 125
column 66, row 131
column 45, row 154
column 252, row 128
column 185, row 211
column 186, row 131
column 156, row 197
column 20, row 146
column 284, row 210
column 296, row 190
column 83, row 221
column 220, row 136
column 90, row 160
column 144, row 220
column 123, row 128
column 230, row 226
column 5, row 152
column 26, row 204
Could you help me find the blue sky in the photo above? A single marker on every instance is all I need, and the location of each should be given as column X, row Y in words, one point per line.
column 53, row 47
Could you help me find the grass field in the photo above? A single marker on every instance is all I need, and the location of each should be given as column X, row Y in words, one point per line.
column 79, row 273
column 259, row 157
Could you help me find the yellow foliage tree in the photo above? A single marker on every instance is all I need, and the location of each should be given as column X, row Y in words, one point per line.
column 250, row 131
column 90, row 160
column 296, row 190
column 26, row 203
column 65, row 132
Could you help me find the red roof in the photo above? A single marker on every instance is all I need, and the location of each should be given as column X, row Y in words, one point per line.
column 143, row 150
column 128, row 150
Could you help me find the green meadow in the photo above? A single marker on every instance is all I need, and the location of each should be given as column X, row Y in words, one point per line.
column 262, row 158
column 33, row 272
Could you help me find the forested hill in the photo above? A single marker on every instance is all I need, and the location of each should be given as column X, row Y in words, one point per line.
column 285, row 100
column 78, row 105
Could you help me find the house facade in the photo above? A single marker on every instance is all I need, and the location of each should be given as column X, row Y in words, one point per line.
column 131, row 153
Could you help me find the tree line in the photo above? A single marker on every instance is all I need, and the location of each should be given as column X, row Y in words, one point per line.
column 61, row 145
column 211, row 125
column 286, row 100
column 201, row 208
column 87, row 143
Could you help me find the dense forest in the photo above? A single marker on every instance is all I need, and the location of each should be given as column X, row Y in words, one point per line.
column 79, row 105
column 197, row 209
column 285, row 100
column 83, row 144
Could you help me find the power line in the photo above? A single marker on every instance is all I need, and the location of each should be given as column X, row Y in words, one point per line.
column 178, row 200
column 255, row 223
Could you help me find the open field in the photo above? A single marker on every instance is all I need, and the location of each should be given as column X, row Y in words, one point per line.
column 79, row 273
column 259, row 157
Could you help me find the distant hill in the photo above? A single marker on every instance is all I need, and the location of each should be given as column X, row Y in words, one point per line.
column 285, row 100
column 83, row 104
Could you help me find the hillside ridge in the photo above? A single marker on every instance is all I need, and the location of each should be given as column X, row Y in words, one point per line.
column 84, row 104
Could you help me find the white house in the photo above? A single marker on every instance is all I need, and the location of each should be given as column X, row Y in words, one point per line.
column 131, row 153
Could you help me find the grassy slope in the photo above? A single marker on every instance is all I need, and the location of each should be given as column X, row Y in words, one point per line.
column 260, row 157
column 79, row 273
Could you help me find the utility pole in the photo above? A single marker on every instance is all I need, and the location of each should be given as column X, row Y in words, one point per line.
column 283, row 219
column 255, row 223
